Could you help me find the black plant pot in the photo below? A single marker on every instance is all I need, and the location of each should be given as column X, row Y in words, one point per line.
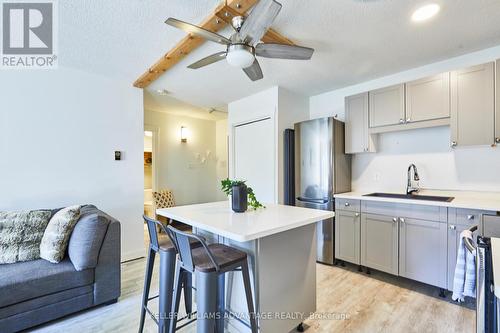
column 240, row 198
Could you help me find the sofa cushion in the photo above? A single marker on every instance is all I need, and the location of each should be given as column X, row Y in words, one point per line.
column 56, row 236
column 21, row 234
column 87, row 237
column 26, row 280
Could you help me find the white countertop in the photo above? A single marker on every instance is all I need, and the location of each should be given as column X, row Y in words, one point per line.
column 495, row 258
column 218, row 218
column 463, row 199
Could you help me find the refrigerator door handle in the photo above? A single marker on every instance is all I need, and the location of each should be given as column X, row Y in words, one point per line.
column 316, row 201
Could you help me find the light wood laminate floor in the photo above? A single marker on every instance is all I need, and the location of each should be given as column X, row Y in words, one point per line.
column 362, row 303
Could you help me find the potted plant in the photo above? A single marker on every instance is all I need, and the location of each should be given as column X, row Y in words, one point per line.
column 242, row 196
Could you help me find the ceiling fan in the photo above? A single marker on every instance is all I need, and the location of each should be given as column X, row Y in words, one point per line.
column 243, row 45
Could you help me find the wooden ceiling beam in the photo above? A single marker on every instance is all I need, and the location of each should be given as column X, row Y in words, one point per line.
column 221, row 16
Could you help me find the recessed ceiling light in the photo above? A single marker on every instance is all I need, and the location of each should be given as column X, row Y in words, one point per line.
column 425, row 12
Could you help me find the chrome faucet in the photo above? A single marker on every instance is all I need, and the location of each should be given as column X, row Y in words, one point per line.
column 409, row 187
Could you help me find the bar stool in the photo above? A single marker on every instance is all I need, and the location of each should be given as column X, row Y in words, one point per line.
column 168, row 254
column 209, row 263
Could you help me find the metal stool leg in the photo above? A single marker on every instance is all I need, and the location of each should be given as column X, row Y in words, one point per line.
column 248, row 292
column 167, row 267
column 179, row 272
column 188, row 293
column 147, row 284
column 206, row 301
column 221, row 306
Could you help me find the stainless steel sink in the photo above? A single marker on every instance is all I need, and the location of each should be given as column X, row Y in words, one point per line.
column 410, row 196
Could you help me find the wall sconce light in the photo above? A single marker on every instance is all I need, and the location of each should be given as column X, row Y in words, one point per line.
column 184, row 134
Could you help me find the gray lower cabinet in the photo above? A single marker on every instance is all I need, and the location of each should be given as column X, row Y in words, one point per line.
column 347, row 236
column 454, row 231
column 491, row 225
column 379, row 242
column 458, row 221
column 423, row 251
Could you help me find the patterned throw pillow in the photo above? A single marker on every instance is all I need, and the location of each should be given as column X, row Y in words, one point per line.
column 21, row 234
column 56, row 237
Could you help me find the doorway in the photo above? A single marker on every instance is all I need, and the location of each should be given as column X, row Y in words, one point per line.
column 150, row 177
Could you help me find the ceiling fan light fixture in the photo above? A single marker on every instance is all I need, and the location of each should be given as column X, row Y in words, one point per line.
column 240, row 55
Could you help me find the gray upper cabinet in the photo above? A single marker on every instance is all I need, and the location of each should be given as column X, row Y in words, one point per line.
column 473, row 106
column 497, row 113
column 423, row 251
column 357, row 139
column 428, row 98
column 379, row 242
column 347, row 236
column 387, row 106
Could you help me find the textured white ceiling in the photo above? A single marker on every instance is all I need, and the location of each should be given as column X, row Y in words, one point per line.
column 355, row 40
column 168, row 104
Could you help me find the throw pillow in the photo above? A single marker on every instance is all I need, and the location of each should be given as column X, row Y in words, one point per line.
column 21, row 234
column 55, row 239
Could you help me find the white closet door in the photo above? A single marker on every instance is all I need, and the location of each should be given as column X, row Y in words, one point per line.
column 254, row 158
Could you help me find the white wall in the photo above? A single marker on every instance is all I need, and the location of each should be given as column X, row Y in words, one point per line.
column 221, row 144
column 284, row 108
column 179, row 165
column 440, row 167
column 58, row 133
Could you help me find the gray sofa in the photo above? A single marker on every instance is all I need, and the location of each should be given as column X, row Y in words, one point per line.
column 35, row 292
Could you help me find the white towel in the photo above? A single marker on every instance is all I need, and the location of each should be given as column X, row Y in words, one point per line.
column 464, row 281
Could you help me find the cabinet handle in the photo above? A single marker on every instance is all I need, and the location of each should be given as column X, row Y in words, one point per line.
column 347, row 204
column 497, row 140
column 452, row 227
column 402, row 220
column 357, row 214
column 401, row 121
column 453, row 144
column 394, row 219
column 408, row 120
column 470, row 217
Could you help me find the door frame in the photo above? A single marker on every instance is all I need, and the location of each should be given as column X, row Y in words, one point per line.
column 156, row 148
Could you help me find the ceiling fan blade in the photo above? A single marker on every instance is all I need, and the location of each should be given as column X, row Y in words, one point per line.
column 197, row 31
column 254, row 72
column 208, row 60
column 259, row 21
column 283, row 51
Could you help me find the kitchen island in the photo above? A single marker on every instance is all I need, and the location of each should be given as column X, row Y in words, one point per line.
column 281, row 244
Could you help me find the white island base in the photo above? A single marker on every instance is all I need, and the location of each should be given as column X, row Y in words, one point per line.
column 281, row 244
column 283, row 273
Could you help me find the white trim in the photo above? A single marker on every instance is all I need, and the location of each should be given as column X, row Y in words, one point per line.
column 155, row 149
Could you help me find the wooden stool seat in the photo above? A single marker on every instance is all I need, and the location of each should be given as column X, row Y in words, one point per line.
column 224, row 255
column 165, row 244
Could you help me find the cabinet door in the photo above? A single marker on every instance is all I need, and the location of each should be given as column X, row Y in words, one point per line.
column 379, row 242
column 473, row 106
column 428, row 98
column 347, row 236
column 422, row 251
column 454, row 231
column 497, row 113
column 357, row 139
column 387, row 106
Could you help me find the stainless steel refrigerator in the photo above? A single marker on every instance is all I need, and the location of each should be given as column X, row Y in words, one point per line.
column 322, row 169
